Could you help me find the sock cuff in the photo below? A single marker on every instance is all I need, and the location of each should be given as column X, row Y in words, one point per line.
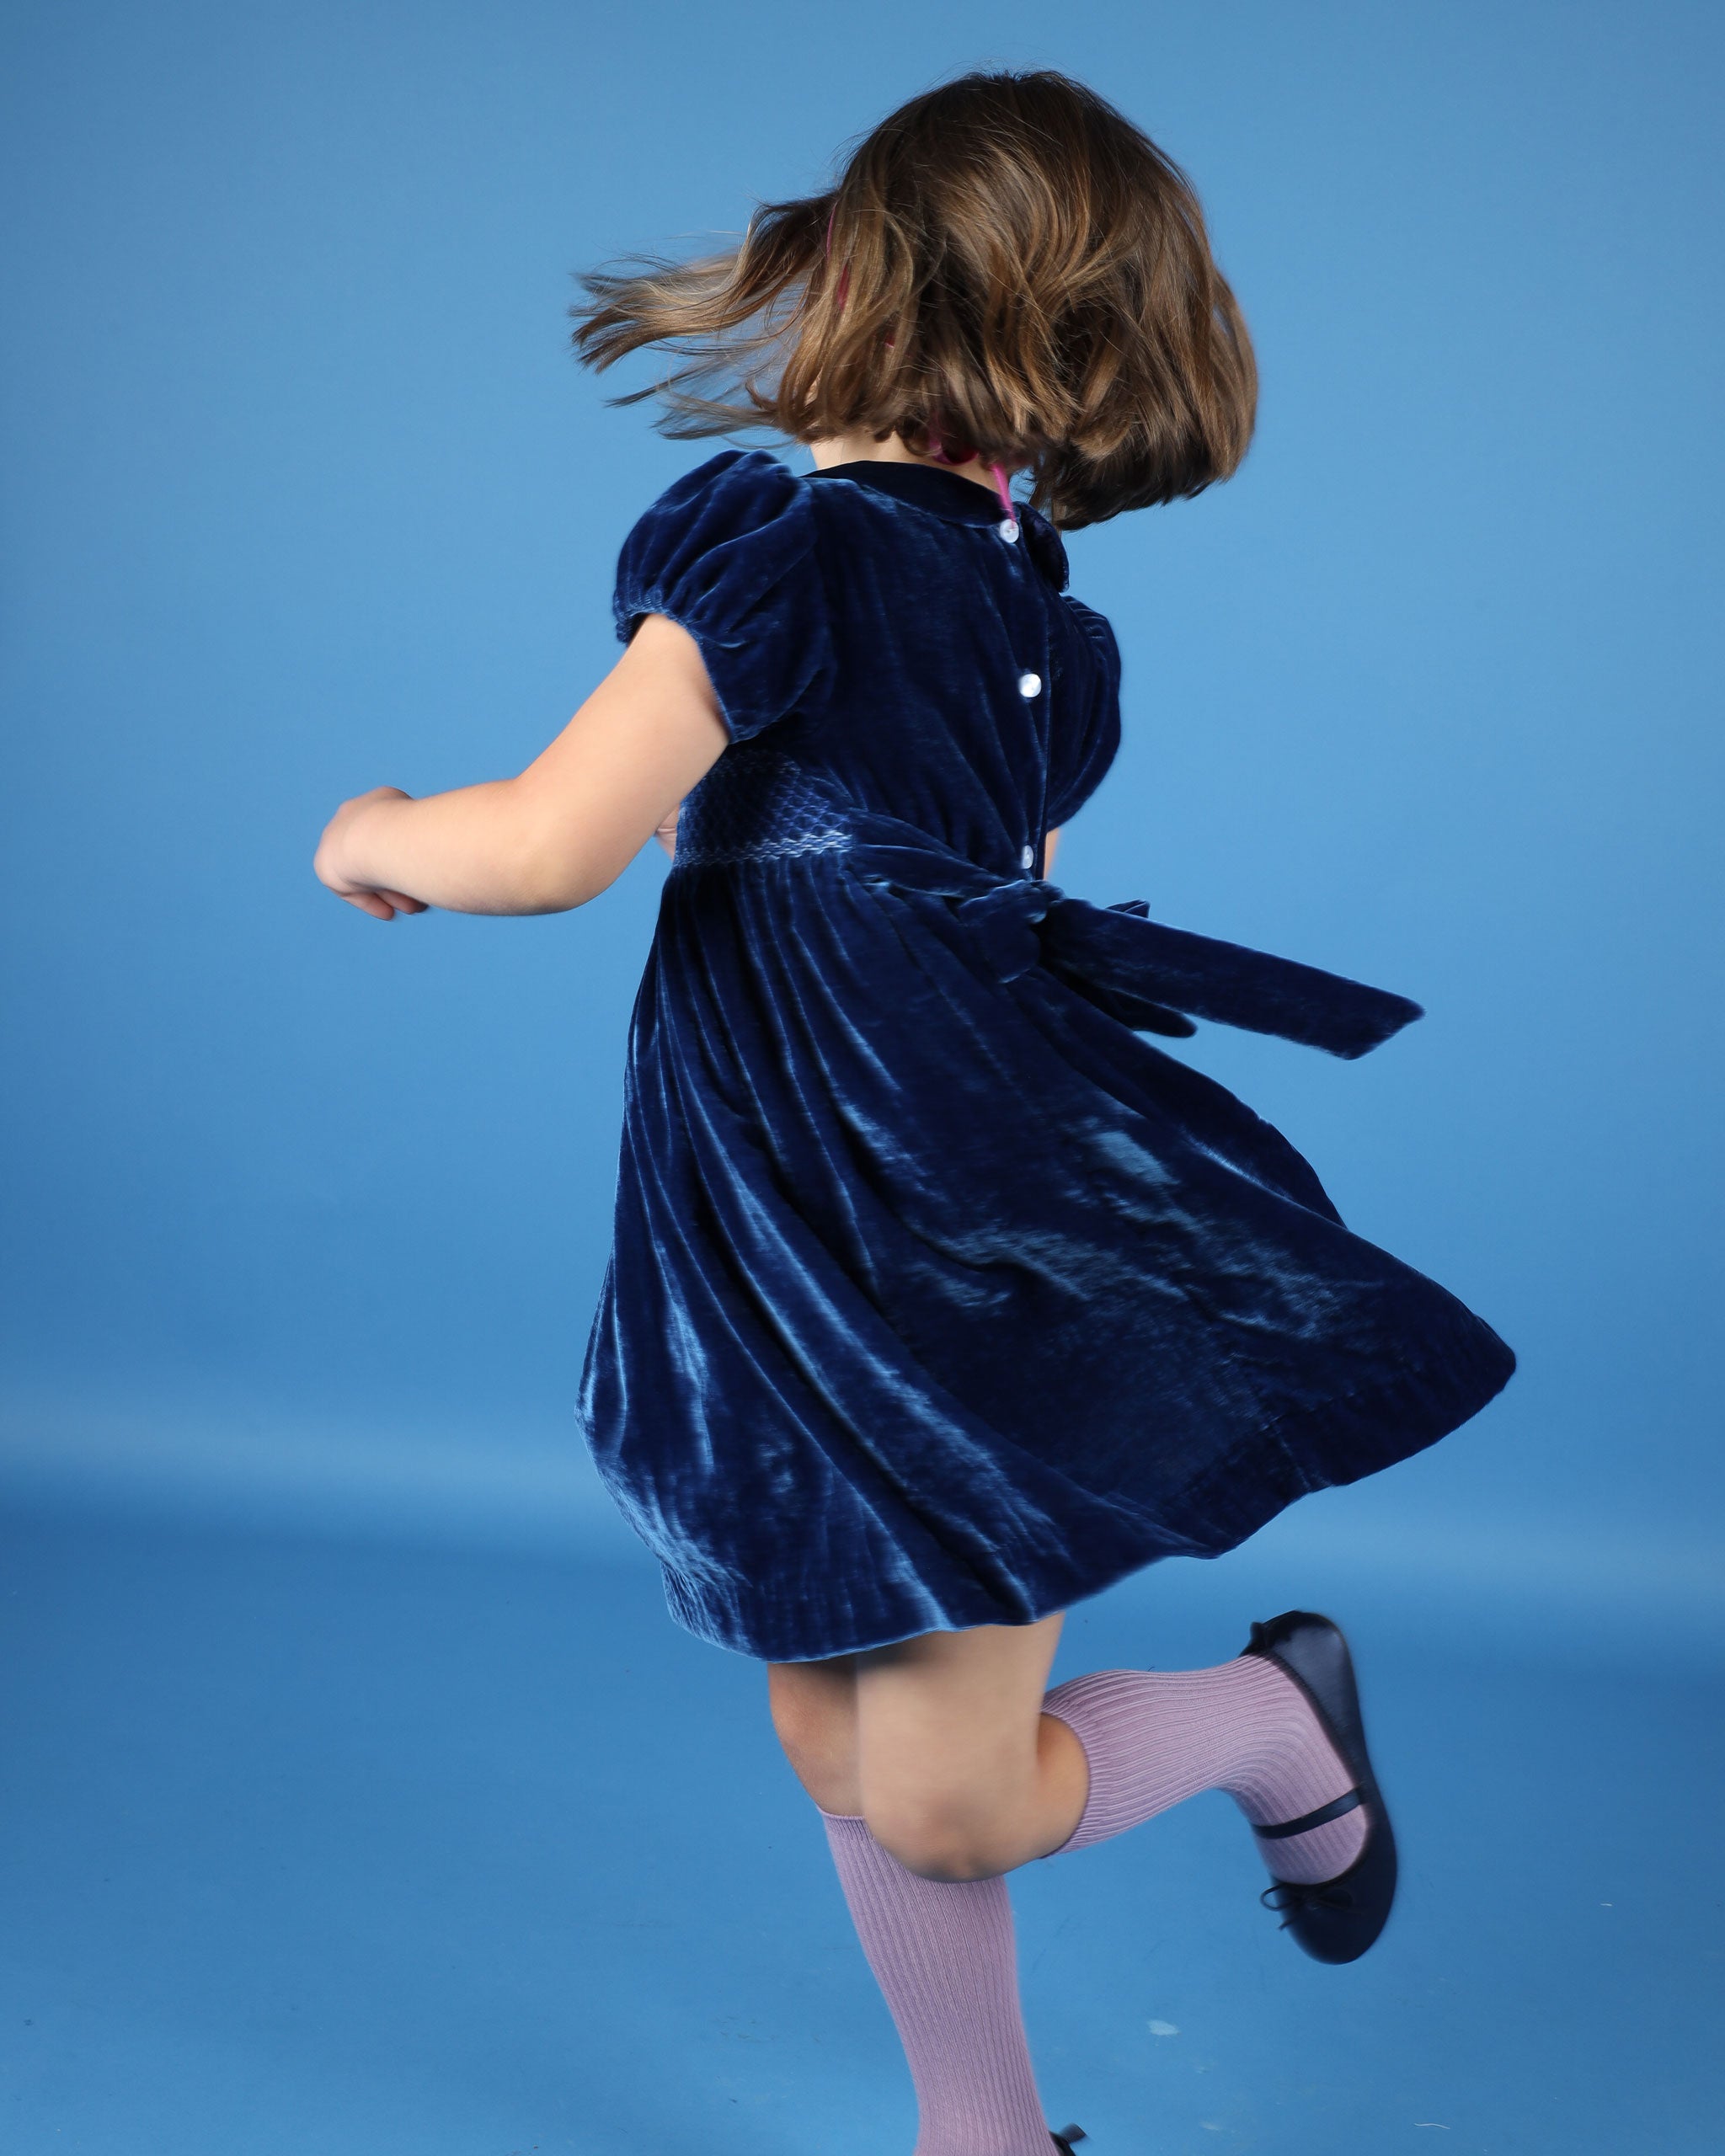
column 1088, row 1704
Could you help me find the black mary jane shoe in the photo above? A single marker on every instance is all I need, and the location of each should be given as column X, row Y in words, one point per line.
column 1337, row 1919
column 1064, row 2138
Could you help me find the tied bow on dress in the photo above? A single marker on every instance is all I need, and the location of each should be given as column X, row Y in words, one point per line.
column 1153, row 978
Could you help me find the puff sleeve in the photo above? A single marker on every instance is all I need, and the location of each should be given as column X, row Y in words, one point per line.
column 1087, row 680
column 728, row 553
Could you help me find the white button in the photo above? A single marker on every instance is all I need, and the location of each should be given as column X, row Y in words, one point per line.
column 1008, row 528
column 1027, row 858
column 1030, row 684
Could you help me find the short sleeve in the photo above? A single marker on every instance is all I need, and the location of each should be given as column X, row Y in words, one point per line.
column 729, row 553
column 1087, row 713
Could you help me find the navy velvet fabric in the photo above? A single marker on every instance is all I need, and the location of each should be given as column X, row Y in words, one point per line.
column 938, row 1296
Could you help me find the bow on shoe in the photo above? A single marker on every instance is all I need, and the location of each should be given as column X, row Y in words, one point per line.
column 1289, row 1900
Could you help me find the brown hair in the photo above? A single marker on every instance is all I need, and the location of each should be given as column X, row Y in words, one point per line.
column 1007, row 267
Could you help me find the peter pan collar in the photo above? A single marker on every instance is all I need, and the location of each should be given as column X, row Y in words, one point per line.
column 924, row 486
column 958, row 501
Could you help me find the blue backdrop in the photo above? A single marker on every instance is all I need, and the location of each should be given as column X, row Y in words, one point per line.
column 304, row 496
column 356, row 1794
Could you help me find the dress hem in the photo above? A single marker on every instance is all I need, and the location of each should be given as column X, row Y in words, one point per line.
column 1291, row 1456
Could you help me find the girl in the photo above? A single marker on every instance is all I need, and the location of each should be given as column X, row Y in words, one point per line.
column 939, row 1298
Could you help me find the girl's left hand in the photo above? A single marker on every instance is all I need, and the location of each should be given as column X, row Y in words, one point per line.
column 331, row 868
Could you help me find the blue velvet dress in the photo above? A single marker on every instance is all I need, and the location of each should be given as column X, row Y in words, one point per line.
column 938, row 1295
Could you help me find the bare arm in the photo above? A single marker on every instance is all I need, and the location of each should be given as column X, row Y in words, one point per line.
column 567, row 827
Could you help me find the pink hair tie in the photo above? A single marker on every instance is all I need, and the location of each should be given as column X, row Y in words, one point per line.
column 1009, row 509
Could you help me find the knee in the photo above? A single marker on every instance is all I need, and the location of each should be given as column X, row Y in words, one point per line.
column 949, row 1836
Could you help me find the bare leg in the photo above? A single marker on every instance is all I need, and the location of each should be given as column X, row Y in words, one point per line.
column 940, row 1744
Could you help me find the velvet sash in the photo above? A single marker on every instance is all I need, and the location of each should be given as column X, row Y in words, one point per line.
column 1141, row 972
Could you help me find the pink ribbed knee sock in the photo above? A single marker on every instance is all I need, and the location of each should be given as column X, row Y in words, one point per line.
column 1154, row 1737
column 943, row 1956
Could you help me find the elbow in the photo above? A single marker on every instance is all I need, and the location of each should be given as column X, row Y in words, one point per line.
column 552, row 878
column 553, row 889
column 557, row 858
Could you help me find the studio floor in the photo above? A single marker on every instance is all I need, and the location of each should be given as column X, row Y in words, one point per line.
column 332, row 1846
